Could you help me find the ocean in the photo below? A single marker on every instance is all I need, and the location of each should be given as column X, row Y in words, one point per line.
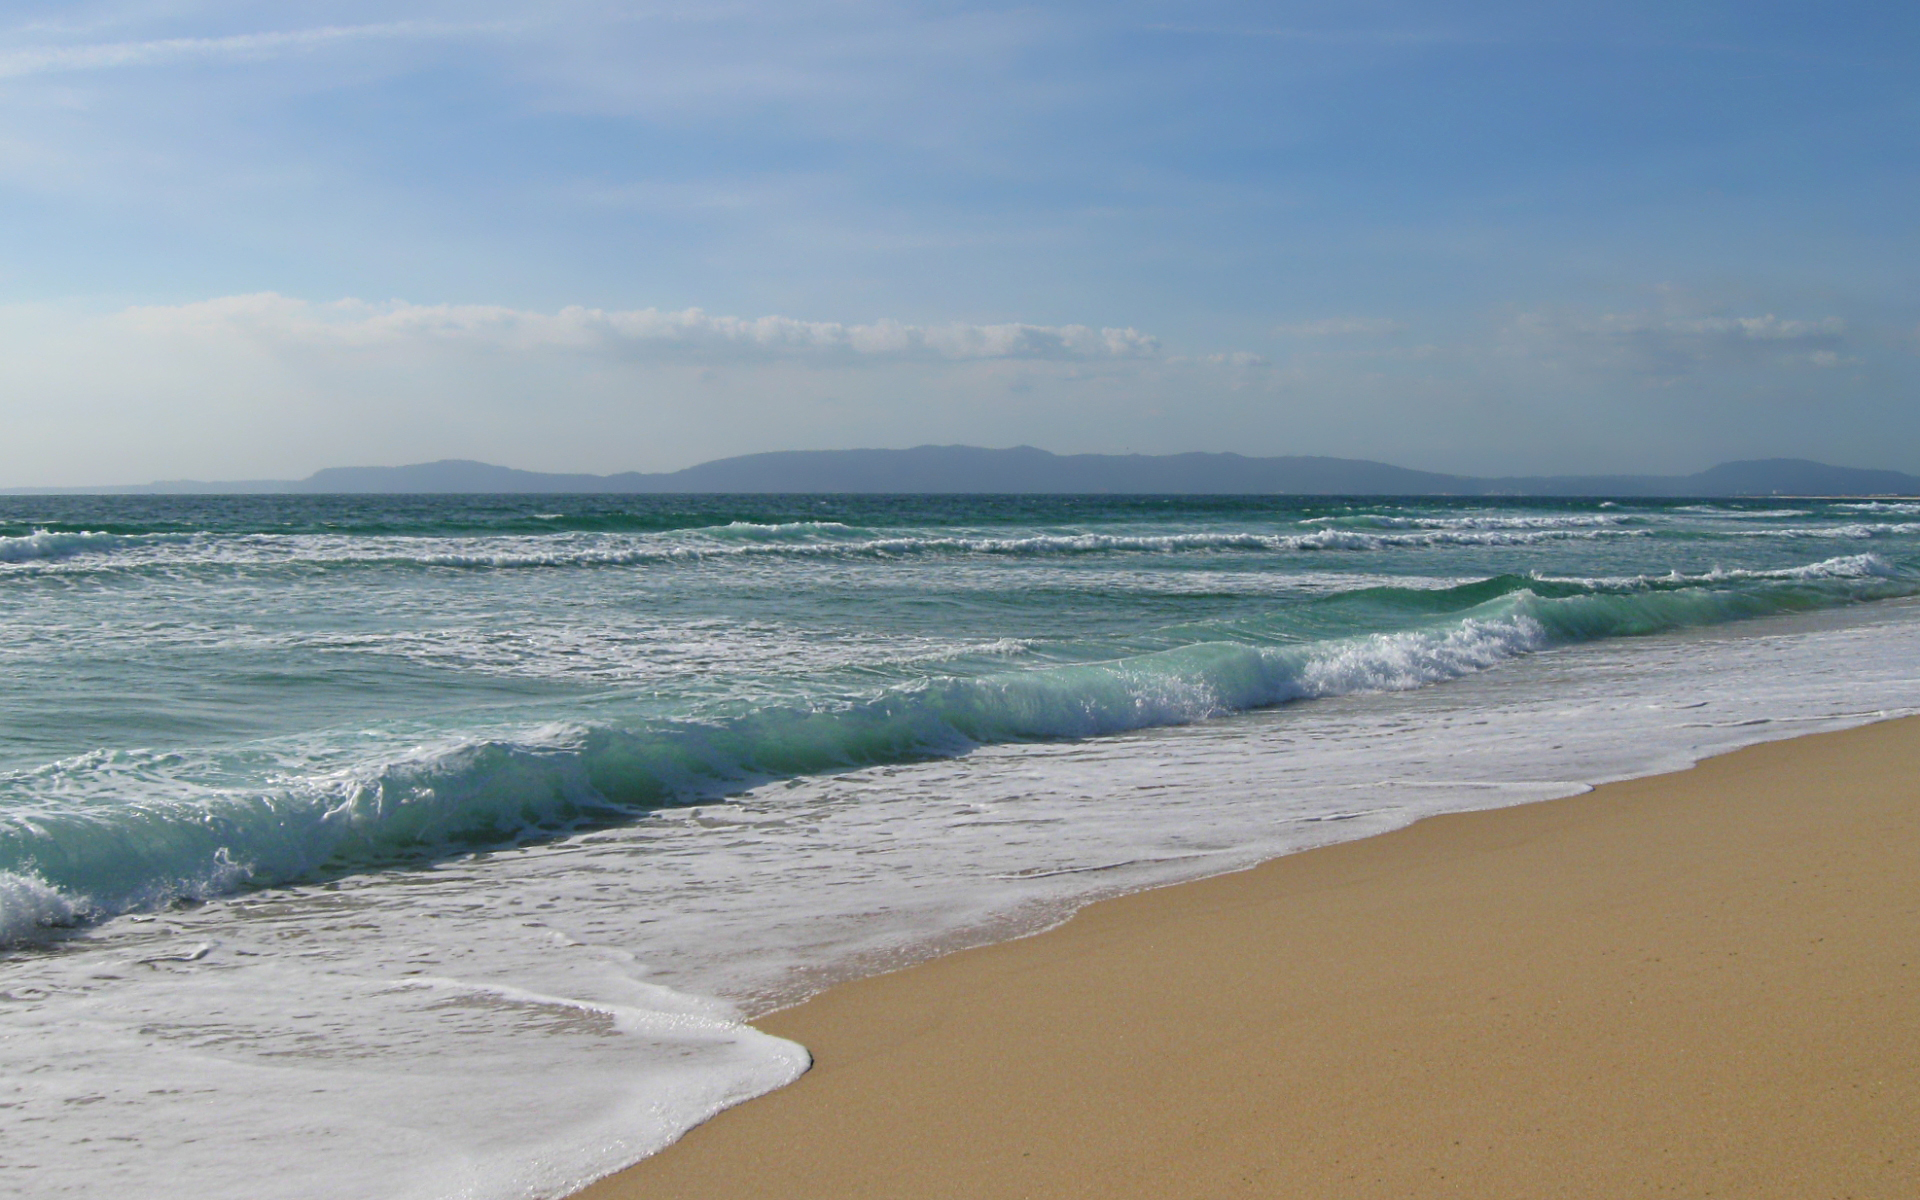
column 442, row 846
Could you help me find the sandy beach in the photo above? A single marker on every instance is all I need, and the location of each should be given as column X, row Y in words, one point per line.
column 1698, row 984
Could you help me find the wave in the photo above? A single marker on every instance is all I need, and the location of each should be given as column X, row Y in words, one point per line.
column 1847, row 566
column 485, row 792
column 64, row 859
column 1855, row 531
column 1843, row 567
column 1344, row 539
column 1042, row 545
column 44, row 544
column 746, row 540
column 779, row 529
column 1480, row 521
column 30, row 909
column 795, row 540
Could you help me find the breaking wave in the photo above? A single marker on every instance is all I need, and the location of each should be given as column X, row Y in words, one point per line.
column 43, row 544
column 734, row 542
column 64, row 860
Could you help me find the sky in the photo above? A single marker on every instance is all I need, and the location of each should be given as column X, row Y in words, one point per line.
column 246, row 240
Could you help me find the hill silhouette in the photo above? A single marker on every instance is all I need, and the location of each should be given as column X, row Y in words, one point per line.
column 1024, row 469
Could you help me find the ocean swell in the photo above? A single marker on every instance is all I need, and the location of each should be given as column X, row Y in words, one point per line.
column 62, row 860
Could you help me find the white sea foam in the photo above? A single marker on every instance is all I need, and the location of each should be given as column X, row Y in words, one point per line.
column 743, row 540
column 1841, row 567
column 779, row 529
column 1847, row 566
column 198, row 833
column 1853, row 531
column 42, row 544
column 623, row 552
column 356, row 1066
column 1549, row 521
column 1393, row 662
column 587, row 550
column 30, row 909
column 193, row 837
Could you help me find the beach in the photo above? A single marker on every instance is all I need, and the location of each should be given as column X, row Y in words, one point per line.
column 1694, row 984
column 958, row 600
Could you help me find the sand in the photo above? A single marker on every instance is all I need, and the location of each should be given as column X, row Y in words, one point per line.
column 1700, row 984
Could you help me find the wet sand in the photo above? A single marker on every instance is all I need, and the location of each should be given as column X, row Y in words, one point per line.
column 1699, row 984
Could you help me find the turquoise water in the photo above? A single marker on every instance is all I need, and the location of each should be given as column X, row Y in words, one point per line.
column 434, row 846
column 208, row 693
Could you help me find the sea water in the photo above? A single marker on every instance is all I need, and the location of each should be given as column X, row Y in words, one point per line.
column 442, row 846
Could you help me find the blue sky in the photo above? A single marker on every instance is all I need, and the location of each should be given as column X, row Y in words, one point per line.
column 251, row 240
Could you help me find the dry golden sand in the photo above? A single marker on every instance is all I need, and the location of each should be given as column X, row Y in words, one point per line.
column 1701, row 984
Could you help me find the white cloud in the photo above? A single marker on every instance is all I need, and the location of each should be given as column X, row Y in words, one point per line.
column 650, row 332
column 1333, row 327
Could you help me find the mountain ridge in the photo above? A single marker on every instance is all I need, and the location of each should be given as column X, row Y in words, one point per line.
column 1028, row 470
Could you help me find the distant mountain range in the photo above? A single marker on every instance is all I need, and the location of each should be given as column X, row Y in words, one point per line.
column 963, row 469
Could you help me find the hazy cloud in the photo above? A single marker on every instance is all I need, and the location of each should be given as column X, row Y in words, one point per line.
column 1667, row 346
column 1348, row 36
column 245, row 47
column 346, row 324
column 284, row 386
column 1334, row 327
column 1768, row 328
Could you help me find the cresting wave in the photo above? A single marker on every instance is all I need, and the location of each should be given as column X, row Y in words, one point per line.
column 1036, row 546
column 1859, row 531
column 63, row 861
column 1846, row 566
column 817, row 540
column 801, row 540
column 44, row 544
column 1482, row 521
column 29, row 908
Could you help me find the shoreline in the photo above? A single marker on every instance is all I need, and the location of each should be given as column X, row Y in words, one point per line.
column 1695, row 983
